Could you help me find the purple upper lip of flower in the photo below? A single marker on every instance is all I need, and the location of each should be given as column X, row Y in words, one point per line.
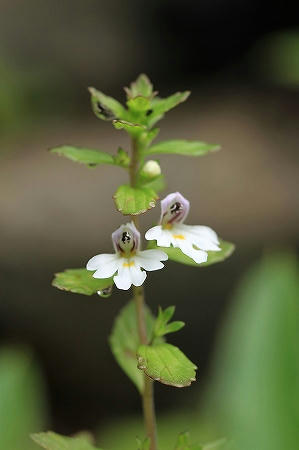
column 174, row 208
column 126, row 238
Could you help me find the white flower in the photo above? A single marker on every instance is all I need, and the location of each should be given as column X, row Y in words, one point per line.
column 194, row 241
column 127, row 261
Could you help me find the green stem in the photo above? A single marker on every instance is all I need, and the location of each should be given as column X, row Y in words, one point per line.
column 138, row 294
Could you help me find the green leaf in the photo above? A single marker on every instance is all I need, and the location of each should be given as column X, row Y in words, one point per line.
column 53, row 441
column 167, row 314
column 182, row 147
column 124, row 341
column 175, row 254
column 167, row 364
column 160, row 106
column 183, row 443
column 146, row 137
column 84, row 155
column 104, row 107
column 130, row 127
column 162, row 326
column 80, row 281
column 142, row 86
column 143, row 445
column 174, row 326
column 138, row 104
column 134, row 201
column 157, row 183
column 255, row 389
column 23, row 399
column 122, row 158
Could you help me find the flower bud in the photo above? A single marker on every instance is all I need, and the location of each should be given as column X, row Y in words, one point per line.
column 151, row 169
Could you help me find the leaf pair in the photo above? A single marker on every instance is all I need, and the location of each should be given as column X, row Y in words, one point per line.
column 160, row 361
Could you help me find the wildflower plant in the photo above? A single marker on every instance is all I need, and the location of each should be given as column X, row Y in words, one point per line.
column 138, row 338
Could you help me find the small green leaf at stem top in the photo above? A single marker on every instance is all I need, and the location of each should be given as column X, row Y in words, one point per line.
column 134, row 201
column 80, row 281
column 53, row 441
column 105, row 107
column 175, row 254
column 86, row 156
column 141, row 87
column 162, row 326
column 167, row 364
column 124, row 341
column 182, row 147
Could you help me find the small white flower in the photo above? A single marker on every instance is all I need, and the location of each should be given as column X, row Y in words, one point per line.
column 194, row 241
column 127, row 261
column 151, row 168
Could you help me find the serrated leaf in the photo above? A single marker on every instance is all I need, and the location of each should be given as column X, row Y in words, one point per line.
column 182, row 147
column 84, row 155
column 105, row 107
column 80, row 281
column 167, row 364
column 142, row 86
column 175, row 254
column 124, row 341
column 53, row 441
column 134, row 201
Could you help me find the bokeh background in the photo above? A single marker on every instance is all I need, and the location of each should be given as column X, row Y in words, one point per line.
column 241, row 62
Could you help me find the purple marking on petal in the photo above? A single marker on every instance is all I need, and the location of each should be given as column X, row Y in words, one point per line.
column 126, row 239
column 174, row 209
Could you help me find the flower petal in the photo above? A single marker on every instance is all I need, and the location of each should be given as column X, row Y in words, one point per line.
column 137, row 275
column 153, row 233
column 163, row 237
column 153, row 254
column 199, row 256
column 123, row 279
column 108, row 269
column 201, row 231
column 150, row 259
column 97, row 261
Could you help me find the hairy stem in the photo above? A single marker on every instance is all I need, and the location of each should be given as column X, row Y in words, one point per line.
column 138, row 293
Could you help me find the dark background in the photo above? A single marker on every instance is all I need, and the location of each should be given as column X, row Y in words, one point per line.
column 241, row 61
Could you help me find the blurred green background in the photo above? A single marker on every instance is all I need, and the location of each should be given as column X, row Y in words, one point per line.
column 241, row 63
